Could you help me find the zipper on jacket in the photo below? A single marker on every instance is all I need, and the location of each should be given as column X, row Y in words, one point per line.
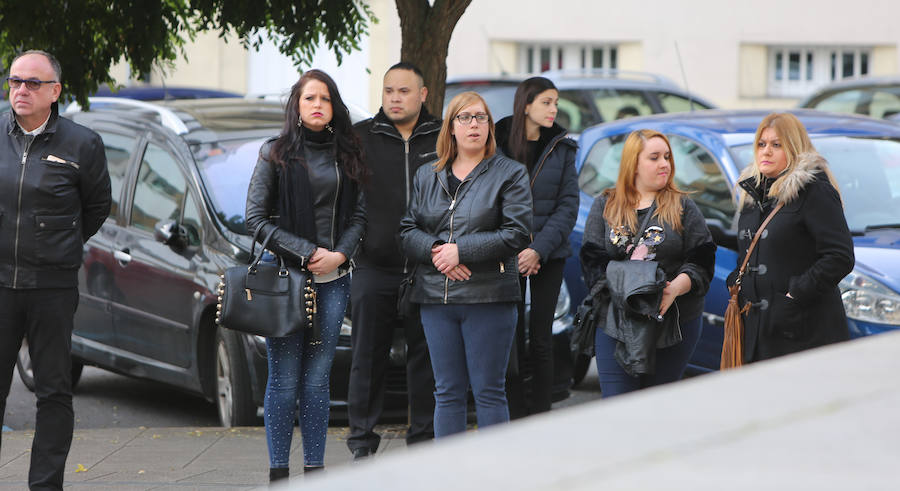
column 337, row 193
column 406, row 166
column 452, row 216
column 28, row 144
column 546, row 156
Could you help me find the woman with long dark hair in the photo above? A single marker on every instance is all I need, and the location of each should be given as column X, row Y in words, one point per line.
column 532, row 136
column 468, row 216
column 306, row 183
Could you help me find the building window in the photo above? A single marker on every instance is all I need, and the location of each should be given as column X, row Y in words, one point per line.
column 537, row 58
column 795, row 71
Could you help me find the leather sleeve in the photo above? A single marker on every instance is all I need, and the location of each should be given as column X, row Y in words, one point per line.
column 593, row 254
column 352, row 236
column 514, row 232
column 94, row 189
column 416, row 242
column 261, row 198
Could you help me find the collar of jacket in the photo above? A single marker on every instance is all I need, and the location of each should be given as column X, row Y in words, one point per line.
column 12, row 127
column 426, row 124
column 788, row 185
column 503, row 127
column 479, row 169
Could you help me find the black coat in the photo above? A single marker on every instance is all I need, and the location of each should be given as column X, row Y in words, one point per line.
column 490, row 221
column 54, row 195
column 554, row 191
column 805, row 250
column 392, row 163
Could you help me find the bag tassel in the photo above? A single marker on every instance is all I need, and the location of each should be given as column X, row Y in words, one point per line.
column 732, row 346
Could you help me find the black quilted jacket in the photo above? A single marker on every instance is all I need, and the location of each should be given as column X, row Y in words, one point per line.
column 490, row 221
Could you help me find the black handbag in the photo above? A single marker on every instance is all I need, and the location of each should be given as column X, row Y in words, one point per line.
column 267, row 298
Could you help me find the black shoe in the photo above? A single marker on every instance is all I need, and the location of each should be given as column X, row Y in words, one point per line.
column 278, row 474
column 362, row 453
column 312, row 468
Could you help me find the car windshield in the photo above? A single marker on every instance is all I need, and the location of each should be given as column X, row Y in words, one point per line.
column 226, row 167
column 868, row 174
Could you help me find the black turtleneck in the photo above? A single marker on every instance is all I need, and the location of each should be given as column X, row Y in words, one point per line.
column 323, row 136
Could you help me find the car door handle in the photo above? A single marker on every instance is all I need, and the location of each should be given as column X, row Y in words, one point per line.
column 122, row 256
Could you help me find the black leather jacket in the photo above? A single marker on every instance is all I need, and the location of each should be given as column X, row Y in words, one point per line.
column 338, row 231
column 489, row 219
column 54, row 195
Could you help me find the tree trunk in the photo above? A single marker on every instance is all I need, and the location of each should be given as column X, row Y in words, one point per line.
column 425, row 39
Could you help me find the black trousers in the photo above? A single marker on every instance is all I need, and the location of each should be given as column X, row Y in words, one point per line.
column 537, row 354
column 373, row 298
column 44, row 317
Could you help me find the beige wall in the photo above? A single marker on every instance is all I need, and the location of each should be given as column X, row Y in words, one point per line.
column 723, row 44
column 714, row 37
column 210, row 63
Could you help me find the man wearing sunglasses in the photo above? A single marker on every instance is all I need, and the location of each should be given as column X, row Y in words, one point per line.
column 54, row 195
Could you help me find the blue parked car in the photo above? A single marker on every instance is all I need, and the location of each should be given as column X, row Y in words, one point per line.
column 710, row 150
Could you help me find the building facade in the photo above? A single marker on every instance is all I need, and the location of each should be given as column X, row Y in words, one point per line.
column 767, row 53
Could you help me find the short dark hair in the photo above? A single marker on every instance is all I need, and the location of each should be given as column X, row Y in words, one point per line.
column 405, row 65
column 54, row 63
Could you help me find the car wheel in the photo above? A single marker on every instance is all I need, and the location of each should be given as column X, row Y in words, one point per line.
column 234, row 398
column 26, row 370
column 582, row 363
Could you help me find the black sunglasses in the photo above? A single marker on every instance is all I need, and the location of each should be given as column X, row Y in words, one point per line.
column 31, row 83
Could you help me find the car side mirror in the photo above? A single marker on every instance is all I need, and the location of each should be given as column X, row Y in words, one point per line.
column 722, row 235
column 169, row 233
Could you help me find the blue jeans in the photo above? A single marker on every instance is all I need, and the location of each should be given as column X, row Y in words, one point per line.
column 298, row 371
column 670, row 362
column 469, row 345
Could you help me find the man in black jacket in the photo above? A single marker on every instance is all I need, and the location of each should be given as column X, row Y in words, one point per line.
column 54, row 195
column 399, row 139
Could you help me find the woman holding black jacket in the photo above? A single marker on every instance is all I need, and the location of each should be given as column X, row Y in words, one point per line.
column 306, row 183
column 647, row 218
column 532, row 136
column 469, row 215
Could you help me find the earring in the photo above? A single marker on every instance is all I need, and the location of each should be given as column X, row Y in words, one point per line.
column 329, row 127
column 299, row 122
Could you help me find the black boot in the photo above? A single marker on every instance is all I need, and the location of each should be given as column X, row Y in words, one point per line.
column 313, row 468
column 278, row 474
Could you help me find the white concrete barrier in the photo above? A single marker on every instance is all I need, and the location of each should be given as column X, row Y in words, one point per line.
column 826, row 419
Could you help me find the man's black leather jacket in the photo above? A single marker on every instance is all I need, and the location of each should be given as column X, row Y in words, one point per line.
column 489, row 219
column 54, row 195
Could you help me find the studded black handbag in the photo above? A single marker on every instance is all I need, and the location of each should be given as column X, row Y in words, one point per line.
column 267, row 298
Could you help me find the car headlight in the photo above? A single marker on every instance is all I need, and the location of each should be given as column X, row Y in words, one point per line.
column 563, row 302
column 868, row 300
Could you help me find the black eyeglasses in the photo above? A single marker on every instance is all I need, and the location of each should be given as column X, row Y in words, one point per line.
column 466, row 118
column 31, row 83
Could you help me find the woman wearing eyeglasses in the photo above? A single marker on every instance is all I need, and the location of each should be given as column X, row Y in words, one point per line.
column 468, row 217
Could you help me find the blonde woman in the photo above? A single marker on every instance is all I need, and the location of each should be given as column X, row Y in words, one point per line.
column 646, row 217
column 468, row 217
column 791, row 282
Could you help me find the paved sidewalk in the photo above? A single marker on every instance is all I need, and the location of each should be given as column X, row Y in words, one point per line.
column 133, row 459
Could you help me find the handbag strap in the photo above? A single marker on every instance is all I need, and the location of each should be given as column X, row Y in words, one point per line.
column 255, row 257
column 753, row 243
